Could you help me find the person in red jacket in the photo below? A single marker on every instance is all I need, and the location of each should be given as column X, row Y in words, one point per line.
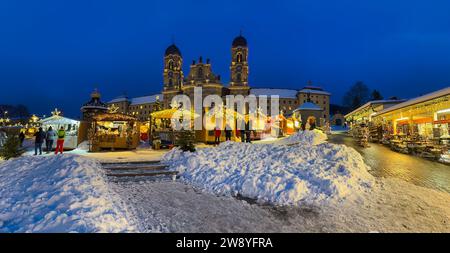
column 217, row 133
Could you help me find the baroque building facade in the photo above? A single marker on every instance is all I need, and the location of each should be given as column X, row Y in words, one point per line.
column 201, row 74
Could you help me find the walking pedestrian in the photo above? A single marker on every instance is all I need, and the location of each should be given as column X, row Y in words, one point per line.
column 49, row 139
column 60, row 142
column 38, row 140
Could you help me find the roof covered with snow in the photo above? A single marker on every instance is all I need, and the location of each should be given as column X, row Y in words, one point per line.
column 283, row 93
column 314, row 91
column 424, row 98
column 376, row 102
column 146, row 99
column 118, row 99
column 308, row 106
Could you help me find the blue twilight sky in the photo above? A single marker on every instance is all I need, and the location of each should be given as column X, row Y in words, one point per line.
column 54, row 53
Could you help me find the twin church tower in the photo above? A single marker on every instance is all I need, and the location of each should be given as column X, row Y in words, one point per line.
column 201, row 74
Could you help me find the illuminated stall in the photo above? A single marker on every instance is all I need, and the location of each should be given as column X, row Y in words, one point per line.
column 418, row 126
column 114, row 131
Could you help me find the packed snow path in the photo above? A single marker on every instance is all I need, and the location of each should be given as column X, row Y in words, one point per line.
column 167, row 206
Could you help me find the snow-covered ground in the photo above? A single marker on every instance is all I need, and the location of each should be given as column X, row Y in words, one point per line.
column 299, row 169
column 179, row 207
column 63, row 193
column 297, row 184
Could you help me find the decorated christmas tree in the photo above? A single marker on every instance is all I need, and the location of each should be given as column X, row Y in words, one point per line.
column 185, row 140
column 11, row 148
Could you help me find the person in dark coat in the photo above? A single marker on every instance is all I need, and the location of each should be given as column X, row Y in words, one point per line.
column 247, row 132
column 228, row 133
column 39, row 139
column 21, row 138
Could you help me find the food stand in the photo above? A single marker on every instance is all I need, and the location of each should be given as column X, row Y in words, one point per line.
column 114, row 131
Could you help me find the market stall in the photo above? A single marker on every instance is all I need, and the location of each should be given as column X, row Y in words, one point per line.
column 419, row 126
column 161, row 132
column 70, row 126
column 113, row 131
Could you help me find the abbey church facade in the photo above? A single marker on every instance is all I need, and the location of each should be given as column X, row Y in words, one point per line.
column 201, row 74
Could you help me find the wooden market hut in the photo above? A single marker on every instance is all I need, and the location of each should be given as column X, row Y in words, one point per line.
column 113, row 131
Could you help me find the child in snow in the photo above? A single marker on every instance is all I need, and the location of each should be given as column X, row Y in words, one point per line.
column 60, row 141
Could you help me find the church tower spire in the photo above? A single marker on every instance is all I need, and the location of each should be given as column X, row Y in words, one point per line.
column 239, row 66
column 173, row 74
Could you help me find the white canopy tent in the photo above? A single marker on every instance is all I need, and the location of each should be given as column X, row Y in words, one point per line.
column 70, row 126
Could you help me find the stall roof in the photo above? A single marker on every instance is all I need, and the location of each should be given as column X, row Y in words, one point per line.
column 417, row 100
column 56, row 119
column 114, row 117
column 168, row 113
column 374, row 102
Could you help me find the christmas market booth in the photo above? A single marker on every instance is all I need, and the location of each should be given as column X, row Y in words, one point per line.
column 113, row 131
column 161, row 131
column 71, row 126
column 418, row 126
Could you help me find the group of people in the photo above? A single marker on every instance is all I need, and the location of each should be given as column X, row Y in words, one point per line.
column 245, row 134
column 49, row 138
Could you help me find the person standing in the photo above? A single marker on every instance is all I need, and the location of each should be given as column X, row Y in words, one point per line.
column 217, row 133
column 228, row 133
column 2, row 137
column 60, row 142
column 49, row 139
column 21, row 137
column 38, row 140
column 247, row 132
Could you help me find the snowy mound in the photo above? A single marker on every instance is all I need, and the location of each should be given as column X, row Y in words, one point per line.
column 57, row 194
column 84, row 146
column 313, row 137
column 278, row 174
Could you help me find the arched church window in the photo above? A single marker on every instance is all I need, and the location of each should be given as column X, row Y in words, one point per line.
column 239, row 57
column 170, row 82
column 170, row 64
column 238, row 77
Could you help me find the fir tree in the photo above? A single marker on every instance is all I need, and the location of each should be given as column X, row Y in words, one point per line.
column 185, row 140
column 11, row 148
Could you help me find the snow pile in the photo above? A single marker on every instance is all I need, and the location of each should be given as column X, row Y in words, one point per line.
column 63, row 193
column 84, row 146
column 278, row 174
column 313, row 137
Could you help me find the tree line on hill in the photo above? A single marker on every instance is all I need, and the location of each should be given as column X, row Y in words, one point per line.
column 14, row 111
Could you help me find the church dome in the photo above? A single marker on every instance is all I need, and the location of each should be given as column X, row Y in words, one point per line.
column 172, row 49
column 239, row 42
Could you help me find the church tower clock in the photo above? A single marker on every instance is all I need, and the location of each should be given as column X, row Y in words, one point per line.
column 173, row 74
column 239, row 67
